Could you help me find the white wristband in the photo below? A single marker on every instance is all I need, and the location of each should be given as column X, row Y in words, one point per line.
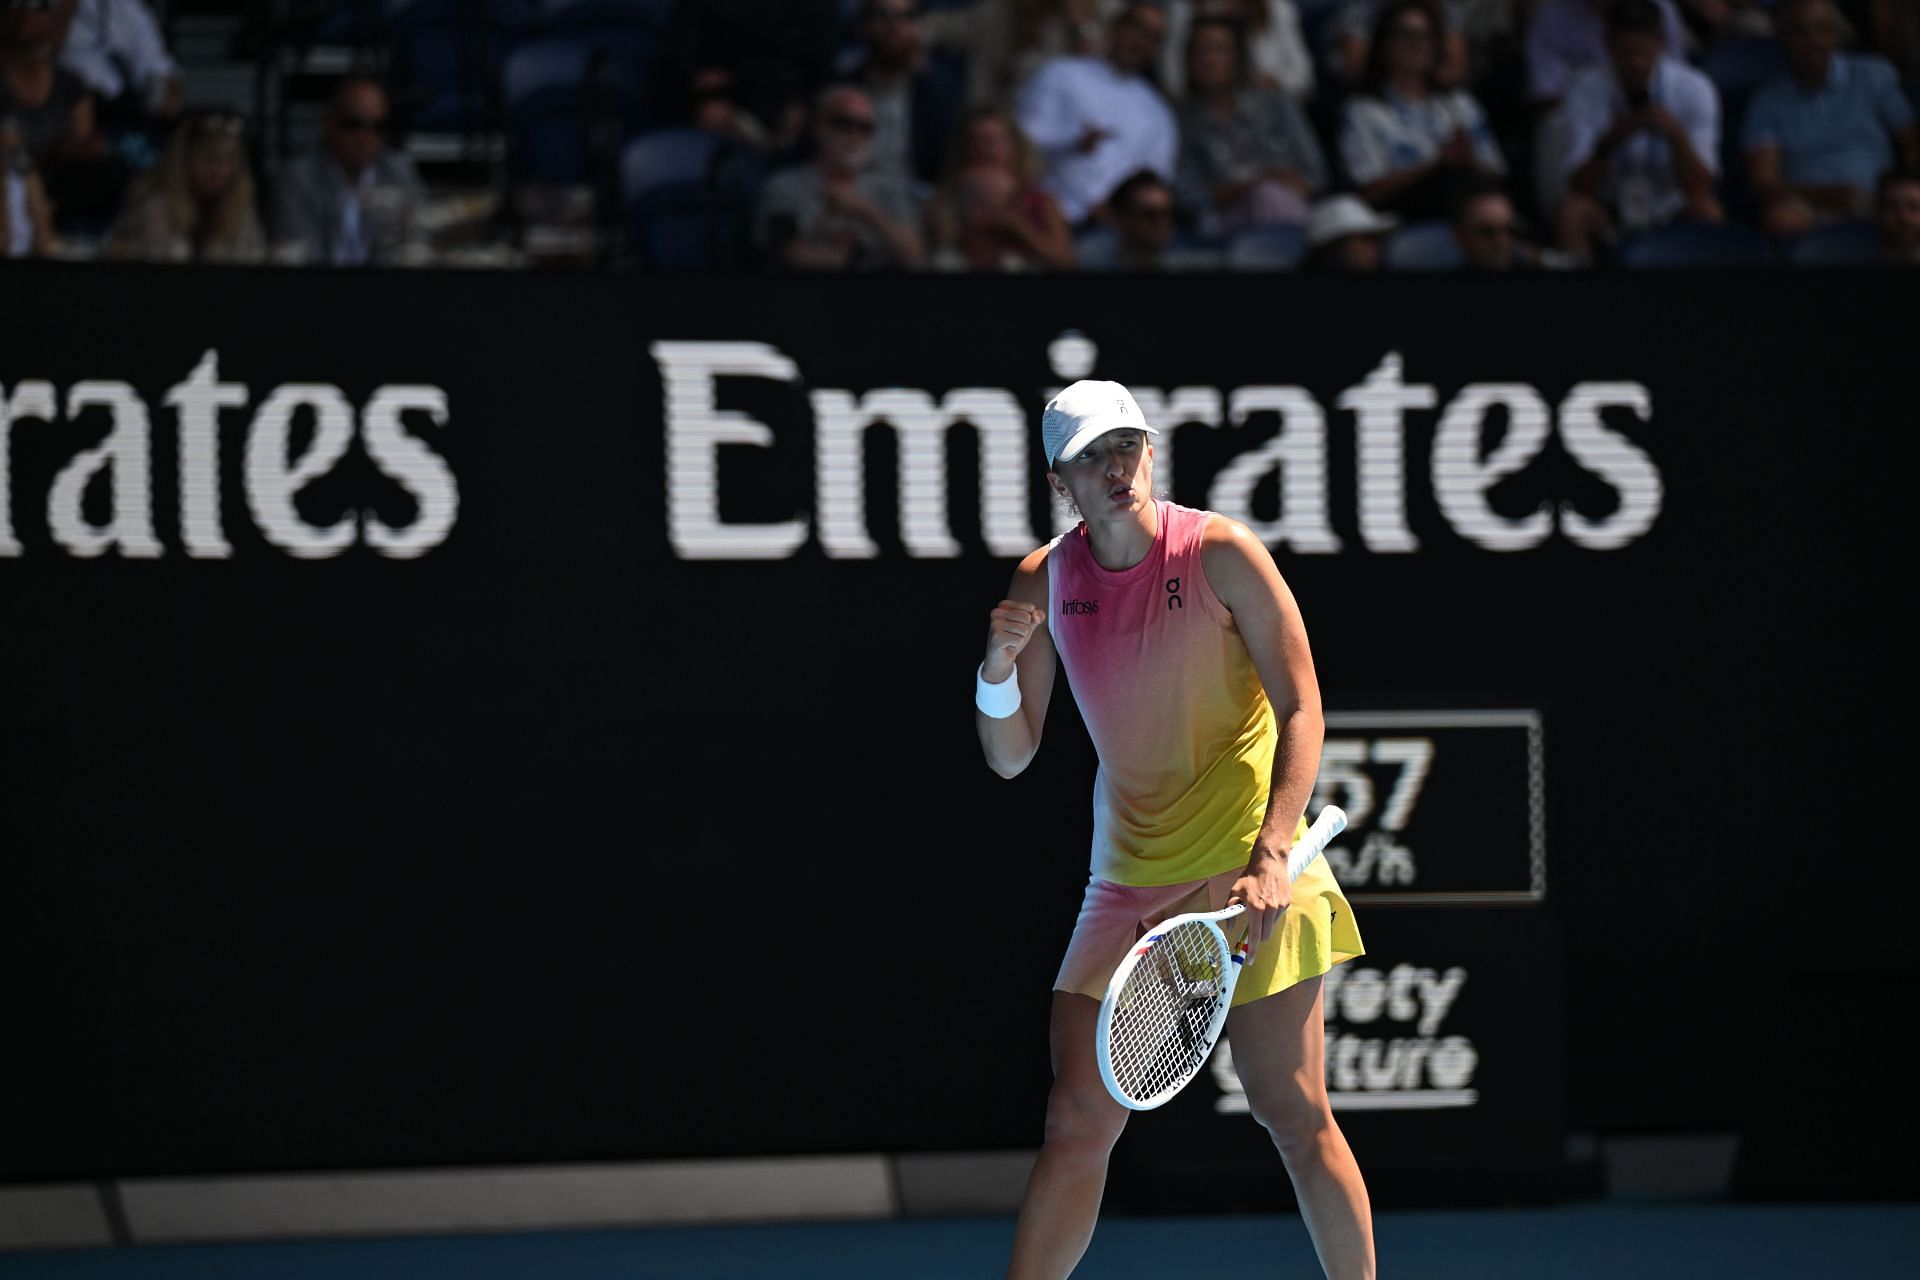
column 996, row 700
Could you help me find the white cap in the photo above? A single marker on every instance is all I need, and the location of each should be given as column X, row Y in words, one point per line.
column 1084, row 411
column 1340, row 216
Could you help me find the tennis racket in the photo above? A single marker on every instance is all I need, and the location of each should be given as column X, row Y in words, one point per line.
column 1168, row 1000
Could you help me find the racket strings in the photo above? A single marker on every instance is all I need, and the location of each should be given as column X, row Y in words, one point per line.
column 1161, row 1029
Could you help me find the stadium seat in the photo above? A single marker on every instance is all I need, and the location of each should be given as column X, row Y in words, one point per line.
column 1278, row 247
column 1841, row 244
column 689, row 198
column 1422, row 246
column 445, row 61
column 1694, row 244
column 1737, row 67
column 1097, row 248
column 572, row 101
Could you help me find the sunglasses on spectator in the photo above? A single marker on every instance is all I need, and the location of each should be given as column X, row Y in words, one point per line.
column 1152, row 212
column 1491, row 230
column 364, row 124
column 850, row 124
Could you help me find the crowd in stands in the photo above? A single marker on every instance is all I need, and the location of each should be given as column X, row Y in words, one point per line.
column 1036, row 135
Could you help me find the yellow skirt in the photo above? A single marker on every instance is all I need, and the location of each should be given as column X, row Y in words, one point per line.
column 1313, row 935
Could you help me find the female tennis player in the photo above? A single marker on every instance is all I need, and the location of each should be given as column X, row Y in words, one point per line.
column 1190, row 662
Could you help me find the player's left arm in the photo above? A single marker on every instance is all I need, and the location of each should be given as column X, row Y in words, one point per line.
column 1243, row 575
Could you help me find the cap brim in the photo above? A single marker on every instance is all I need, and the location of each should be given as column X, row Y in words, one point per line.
column 1092, row 431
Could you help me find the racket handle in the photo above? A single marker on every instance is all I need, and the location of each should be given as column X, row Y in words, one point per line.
column 1331, row 822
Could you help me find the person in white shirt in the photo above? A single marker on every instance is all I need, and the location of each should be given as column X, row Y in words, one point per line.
column 1099, row 120
column 1643, row 137
column 1407, row 144
column 117, row 48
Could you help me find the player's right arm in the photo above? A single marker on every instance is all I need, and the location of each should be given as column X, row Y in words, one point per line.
column 1018, row 647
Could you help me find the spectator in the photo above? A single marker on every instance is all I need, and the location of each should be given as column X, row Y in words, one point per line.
column 1900, row 216
column 1141, row 211
column 778, row 51
column 1896, row 28
column 26, row 225
column 1408, row 145
column 714, row 105
column 353, row 201
column 1819, row 137
column 1276, row 53
column 916, row 101
column 1099, row 120
column 836, row 211
column 1567, row 35
column 197, row 203
column 1487, row 229
column 1248, row 157
column 1353, row 41
column 1004, row 42
column 1643, row 137
column 1345, row 235
column 989, row 212
column 117, row 49
column 53, row 112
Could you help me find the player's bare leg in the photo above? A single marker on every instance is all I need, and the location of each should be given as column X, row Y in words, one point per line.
column 1279, row 1049
column 1063, row 1193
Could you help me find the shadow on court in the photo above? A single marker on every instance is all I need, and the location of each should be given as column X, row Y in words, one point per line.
column 1610, row 1241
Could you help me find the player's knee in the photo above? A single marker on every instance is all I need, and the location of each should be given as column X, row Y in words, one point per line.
column 1082, row 1117
column 1294, row 1115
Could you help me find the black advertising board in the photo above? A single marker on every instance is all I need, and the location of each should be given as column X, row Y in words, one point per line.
column 1443, row 807
column 1443, row 1058
column 414, row 680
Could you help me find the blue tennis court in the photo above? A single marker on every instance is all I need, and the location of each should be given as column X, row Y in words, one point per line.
column 1596, row 1242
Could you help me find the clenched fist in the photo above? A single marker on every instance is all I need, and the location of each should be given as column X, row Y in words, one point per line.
column 1015, row 622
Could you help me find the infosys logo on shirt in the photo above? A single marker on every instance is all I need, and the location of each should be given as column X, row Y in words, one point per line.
column 1079, row 606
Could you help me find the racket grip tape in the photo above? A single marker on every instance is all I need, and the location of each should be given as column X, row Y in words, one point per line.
column 1331, row 822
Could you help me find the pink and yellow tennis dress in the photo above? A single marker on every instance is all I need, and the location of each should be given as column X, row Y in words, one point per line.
column 1186, row 740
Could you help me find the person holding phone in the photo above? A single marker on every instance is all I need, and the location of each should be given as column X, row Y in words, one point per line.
column 1643, row 138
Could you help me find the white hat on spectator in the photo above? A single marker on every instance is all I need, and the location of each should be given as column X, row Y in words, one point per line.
column 1338, row 217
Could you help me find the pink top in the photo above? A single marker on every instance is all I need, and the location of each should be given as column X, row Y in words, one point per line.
column 1184, row 731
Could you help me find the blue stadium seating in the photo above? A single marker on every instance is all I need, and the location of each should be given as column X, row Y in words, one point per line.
column 572, row 101
column 445, row 60
column 689, row 198
column 1694, row 244
column 1841, row 244
column 1097, row 248
column 1278, row 247
column 1738, row 67
column 1422, row 246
